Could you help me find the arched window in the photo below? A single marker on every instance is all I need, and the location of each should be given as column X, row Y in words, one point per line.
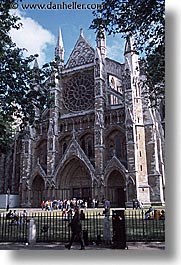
column 118, row 146
column 112, row 83
column 111, row 149
column 64, row 147
column 42, row 153
column 83, row 145
column 87, row 145
column 90, row 148
column 115, row 145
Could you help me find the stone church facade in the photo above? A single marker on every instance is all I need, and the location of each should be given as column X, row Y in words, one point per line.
column 99, row 140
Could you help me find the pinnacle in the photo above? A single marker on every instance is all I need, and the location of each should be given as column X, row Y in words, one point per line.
column 60, row 40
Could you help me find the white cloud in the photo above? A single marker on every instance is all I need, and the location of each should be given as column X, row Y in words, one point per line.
column 33, row 37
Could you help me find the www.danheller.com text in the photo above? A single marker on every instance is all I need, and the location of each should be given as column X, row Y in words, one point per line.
column 56, row 6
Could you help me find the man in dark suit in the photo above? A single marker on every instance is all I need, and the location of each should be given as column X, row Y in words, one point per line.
column 76, row 228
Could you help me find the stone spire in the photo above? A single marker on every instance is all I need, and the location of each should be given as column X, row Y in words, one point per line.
column 131, row 56
column 59, row 49
column 81, row 32
column 101, row 41
column 36, row 63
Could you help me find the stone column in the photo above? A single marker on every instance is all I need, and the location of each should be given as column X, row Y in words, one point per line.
column 99, row 147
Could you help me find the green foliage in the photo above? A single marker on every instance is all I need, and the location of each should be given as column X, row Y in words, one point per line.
column 145, row 20
column 22, row 87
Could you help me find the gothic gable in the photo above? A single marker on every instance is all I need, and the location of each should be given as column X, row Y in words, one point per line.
column 115, row 164
column 38, row 170
column 82, row 54
column 74, row 150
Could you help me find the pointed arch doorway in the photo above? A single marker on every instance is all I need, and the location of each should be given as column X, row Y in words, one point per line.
column 75, row 180
column 116, row 189
column 38, row 187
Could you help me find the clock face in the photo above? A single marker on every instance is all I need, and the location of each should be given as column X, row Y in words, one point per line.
column 78, row 91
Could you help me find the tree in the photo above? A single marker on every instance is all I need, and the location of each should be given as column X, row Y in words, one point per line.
column 145, row 20
column 22, row 87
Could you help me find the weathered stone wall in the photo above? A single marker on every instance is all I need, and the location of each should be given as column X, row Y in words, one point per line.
column 77, row 137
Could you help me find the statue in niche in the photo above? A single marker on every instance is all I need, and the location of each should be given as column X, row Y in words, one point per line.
column 102, row 183
column 130, row 135
column 99, row 118
column 51, row 125
column 98, row 137
column 97, row 89
column 27, row 185
column 51, row 144
column 97, row 68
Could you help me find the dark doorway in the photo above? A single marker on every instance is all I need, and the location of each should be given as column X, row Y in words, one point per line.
column 82, row 193
column 115, row 189
column 121, row 197
column 38, row 187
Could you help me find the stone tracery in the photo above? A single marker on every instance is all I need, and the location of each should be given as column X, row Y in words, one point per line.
column 78, row 93
column 82, row 54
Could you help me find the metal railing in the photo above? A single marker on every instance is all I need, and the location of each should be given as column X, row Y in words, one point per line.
column 53, row 227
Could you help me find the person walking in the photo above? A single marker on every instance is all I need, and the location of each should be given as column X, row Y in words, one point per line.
column 76, row 228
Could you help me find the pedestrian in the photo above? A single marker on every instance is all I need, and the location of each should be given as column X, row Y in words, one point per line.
column 94, row 203
column 15, row 217
column 42, row 205
column 139, row 205
column 9, row 215
column 76, row 229
column 82, row 215
column 148, row 214
column 134, row 204
column 85, row 205
column 162, row 215
column 25, row 216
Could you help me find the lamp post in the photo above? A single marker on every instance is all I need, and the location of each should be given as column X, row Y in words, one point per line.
column 8, row 195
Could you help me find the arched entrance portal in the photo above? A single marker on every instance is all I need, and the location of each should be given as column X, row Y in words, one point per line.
column 115, row 189
column 38, row 187
column 75, row 181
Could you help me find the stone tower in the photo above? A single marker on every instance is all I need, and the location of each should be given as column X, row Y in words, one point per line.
column 135, row 129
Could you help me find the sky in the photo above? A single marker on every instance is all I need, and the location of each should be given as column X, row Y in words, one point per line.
column 41, row 24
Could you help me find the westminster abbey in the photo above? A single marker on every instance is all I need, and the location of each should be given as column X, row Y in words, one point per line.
column 101, row 139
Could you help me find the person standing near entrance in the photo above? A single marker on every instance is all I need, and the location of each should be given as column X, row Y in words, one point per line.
column 76, row 228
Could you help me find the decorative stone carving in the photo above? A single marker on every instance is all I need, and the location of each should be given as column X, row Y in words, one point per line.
column 97, row 89
column 82, row 54
column 98, row 137
column 78, row 92
column 99, row 119
column 97, row 68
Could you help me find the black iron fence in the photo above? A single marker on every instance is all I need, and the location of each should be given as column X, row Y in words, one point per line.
column 53, row 227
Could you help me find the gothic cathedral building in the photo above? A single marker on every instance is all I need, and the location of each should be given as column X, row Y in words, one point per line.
column 101, row 139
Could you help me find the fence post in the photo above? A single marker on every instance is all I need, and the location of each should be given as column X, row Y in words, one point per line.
column 32, row 232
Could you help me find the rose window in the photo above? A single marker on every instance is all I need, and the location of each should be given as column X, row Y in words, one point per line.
column 78, row 92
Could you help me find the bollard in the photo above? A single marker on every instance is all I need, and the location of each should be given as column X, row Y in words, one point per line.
column 119, row 231
column 106, row 231
column 32, row 232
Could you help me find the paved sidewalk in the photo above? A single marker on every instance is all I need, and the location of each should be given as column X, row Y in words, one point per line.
column 60, row 246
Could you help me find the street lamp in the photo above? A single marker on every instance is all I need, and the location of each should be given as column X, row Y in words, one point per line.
column 8, row 195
